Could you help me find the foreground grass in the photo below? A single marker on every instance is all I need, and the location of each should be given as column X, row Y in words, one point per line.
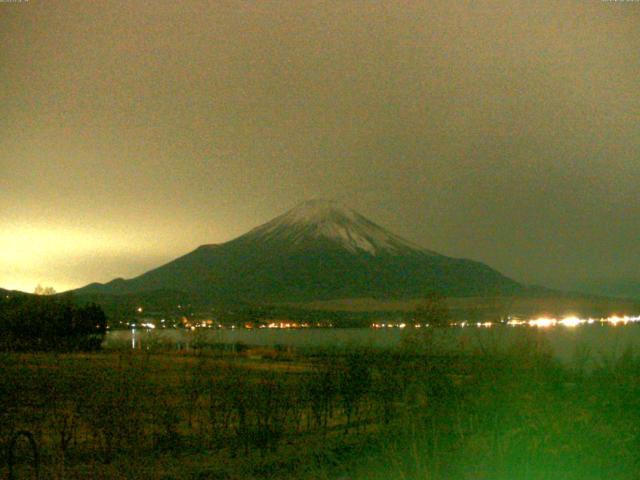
column 358, row 414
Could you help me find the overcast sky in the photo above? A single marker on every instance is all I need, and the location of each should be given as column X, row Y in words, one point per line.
column 502, row 131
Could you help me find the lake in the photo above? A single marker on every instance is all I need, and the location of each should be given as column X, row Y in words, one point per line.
column 596, row 341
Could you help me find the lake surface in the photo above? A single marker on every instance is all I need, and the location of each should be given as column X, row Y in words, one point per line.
column 596, row 342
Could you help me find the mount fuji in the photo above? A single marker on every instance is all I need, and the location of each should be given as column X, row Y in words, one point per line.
column 319, row 250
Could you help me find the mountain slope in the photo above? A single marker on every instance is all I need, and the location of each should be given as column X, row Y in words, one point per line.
column 318, row 250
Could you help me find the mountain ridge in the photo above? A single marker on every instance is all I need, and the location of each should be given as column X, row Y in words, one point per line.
column 318, row 250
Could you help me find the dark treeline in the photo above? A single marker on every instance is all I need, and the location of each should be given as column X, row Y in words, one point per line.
column 49, row 322
column 173, row 307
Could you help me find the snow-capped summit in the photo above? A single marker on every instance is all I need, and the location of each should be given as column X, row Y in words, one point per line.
column 330, row 220
column 318, row 211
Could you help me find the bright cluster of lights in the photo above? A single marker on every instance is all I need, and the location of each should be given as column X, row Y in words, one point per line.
column 392, row 325
column 573, row 321
column 540, row 322
column 285, row 325
column 191, row 324
column 475, row 324
column 616, row 320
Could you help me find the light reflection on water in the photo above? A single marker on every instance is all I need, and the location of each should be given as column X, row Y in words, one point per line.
column 597, row 340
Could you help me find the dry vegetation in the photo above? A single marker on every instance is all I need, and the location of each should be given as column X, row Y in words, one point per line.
column 357, row 414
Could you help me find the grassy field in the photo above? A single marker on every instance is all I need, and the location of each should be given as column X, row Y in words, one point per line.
column 324, row 414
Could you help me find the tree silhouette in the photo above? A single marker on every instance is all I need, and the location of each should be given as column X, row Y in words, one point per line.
column 47, row 322
column 432, row 311
column 40, row 290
